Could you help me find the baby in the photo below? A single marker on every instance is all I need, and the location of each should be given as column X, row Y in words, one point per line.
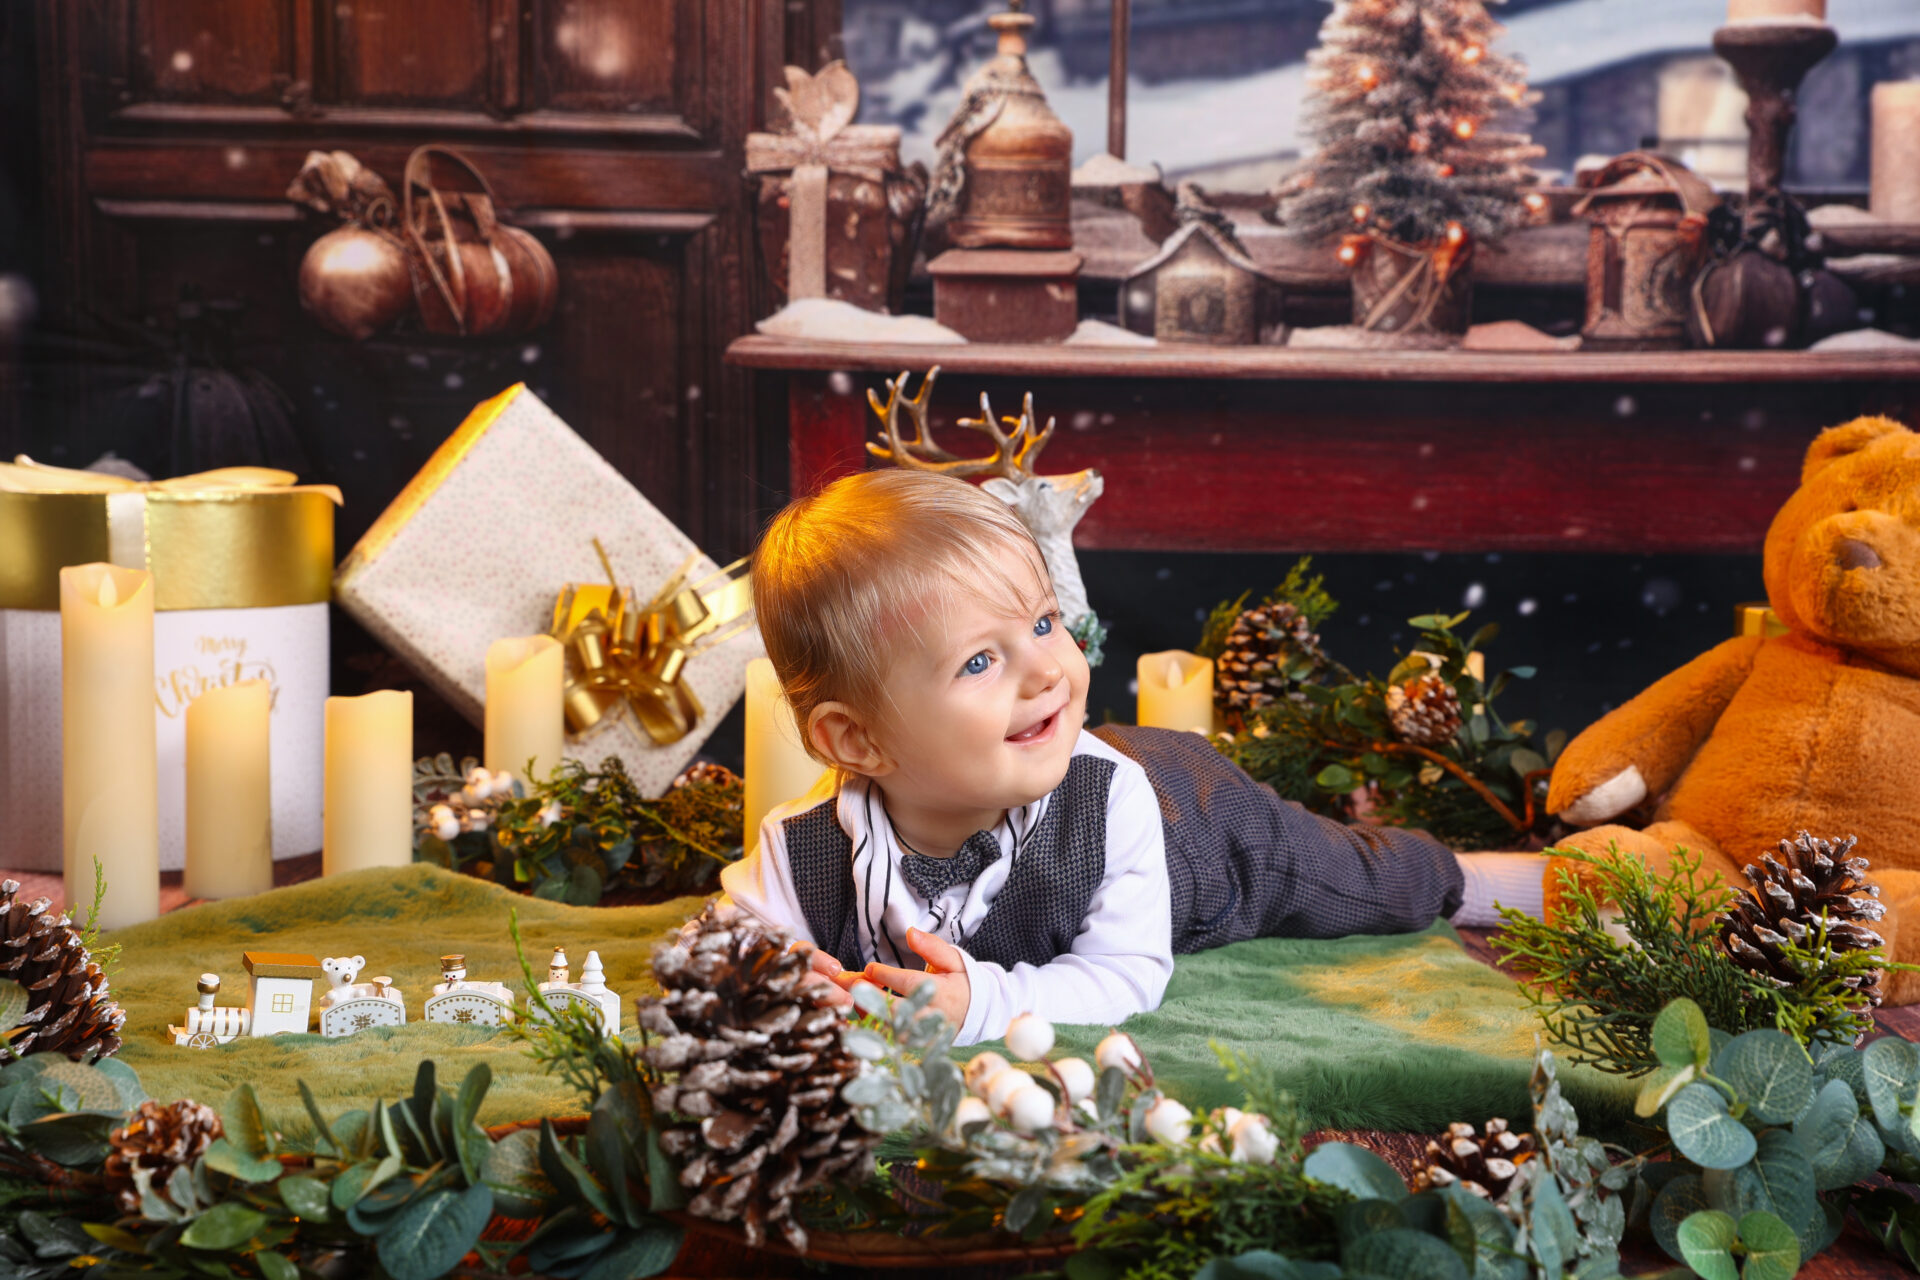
column 969, row 832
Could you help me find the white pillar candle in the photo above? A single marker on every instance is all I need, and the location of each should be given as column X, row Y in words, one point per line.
column 778, row 769
column 1895, row 166
column 1176, row 691
column 1776, row 11
column 230, row 792
column 368, row 819
column 526, row 679
column 110, row 773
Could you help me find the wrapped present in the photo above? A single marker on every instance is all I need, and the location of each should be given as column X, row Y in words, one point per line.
column 515, row 526
column 242, row 564
column 838, row 216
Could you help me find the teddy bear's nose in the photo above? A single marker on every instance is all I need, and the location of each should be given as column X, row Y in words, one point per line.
column 1854, row 554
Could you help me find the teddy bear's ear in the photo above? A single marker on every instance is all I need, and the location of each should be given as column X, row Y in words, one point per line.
column 1837, row 442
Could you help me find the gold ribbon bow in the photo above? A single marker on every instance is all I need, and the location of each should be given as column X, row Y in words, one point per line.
column 237, row 537
column 622, row 654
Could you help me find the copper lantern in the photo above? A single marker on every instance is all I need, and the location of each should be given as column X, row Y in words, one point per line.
column 1647, row 215
column 1017, row 159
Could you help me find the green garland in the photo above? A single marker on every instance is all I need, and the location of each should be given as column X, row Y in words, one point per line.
column 1320, row 747
column 1598, row 993
column 583, row 831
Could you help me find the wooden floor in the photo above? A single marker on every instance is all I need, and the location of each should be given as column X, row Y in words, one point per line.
column 708, row 1257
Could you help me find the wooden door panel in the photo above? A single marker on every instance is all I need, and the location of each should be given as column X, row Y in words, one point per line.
column 437, row 53
column 607, row 55
column 211, row 50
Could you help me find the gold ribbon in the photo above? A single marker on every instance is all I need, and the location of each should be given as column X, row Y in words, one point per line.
column 238, row 537
column 620, row 654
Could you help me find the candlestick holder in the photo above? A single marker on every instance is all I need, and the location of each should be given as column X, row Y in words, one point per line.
column 1770, row 59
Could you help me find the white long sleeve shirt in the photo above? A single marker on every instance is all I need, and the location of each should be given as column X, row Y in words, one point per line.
column 1119, row 962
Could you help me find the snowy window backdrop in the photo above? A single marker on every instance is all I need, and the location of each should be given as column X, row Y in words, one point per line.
column 1216, row 85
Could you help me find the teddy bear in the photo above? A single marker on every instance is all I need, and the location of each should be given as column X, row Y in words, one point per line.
column 1818, row 729
column 341, row 971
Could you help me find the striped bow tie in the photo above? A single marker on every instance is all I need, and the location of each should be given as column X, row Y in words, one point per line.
column 931, row 877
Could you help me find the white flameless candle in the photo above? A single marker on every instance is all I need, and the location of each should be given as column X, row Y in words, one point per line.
column 778, row 770
column 369, row 799
column 1895, row 167
column 229, row 792
column 1750, row 11
column 110, row 772
column 1176, row 691
column 526, row 679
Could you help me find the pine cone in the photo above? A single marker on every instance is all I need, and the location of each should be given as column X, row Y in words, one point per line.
column 1270, row 651
column 1425, row 710
column 159, row 1140
column 1483, row 1164
column 68, row 1009
column 1786, row 902
column 755, row 1061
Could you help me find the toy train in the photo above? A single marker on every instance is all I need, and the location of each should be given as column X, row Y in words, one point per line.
column 280, row 998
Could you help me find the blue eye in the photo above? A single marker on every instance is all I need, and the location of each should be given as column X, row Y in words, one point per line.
column 977, row 664
column 1044, row 627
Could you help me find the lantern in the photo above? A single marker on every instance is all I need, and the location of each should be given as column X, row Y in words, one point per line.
column 1647, row 215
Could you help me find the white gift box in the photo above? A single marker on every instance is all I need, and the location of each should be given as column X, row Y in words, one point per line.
column 241, row 579
column 479, row 545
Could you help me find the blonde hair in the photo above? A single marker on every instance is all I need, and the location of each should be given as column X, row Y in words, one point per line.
column 837, row 574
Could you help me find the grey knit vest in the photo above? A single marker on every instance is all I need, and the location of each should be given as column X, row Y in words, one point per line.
column 1037, row 913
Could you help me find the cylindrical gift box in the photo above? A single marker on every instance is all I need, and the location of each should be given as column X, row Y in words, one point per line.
column 242, row 565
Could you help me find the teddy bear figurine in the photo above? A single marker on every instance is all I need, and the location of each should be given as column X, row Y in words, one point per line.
column 1817, row 729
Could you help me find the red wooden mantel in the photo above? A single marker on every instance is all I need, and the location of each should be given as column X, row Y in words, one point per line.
column 1257, row 449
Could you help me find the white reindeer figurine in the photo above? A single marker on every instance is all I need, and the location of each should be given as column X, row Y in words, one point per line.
column 1050, row 506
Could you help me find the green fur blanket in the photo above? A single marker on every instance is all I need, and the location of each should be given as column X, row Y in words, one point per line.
column 1390, row 1033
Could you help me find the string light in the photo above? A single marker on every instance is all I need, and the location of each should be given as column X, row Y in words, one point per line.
column 1348, row 254
column 1455, row 233
column 1361, row 213
column 1535, row 201
column 1365, row 75
column 1446, row 171
column 1464, row 128
column 1473, row 53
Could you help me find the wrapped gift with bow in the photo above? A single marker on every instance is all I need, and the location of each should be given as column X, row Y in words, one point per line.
column 838, row 215
column 242, row 564
column 620, row 655
column 513, row 510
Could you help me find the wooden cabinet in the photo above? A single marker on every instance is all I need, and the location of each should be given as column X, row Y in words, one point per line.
column 614, row 129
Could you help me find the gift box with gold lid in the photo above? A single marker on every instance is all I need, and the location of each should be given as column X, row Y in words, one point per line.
column 512, row 528
column 242, row 564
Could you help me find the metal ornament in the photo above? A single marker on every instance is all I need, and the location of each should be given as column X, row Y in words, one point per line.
column 1648, row 217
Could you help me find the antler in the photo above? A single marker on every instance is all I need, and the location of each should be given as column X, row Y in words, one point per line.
column 1012, row 457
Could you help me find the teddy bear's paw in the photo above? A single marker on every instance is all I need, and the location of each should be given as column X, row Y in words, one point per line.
column 1610, row 799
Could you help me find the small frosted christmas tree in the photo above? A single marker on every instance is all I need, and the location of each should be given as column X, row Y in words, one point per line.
column 1408, row 106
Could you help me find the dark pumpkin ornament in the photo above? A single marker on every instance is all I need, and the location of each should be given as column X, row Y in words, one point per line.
column 472, row 273
column 1743, row 301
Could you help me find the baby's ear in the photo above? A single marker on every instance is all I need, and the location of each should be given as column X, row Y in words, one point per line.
column 836, row 732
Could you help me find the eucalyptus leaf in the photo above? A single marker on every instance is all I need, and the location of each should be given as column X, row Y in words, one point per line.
column 1706, row 1240
column 1889, row 1065
column 80, row 1087
column 1769, row 1071
column 1554, row 1235
column 1359, row 1218
column 1841, row 1144
column 1355, row 1170
column 51, row 1236
column 1489, row 1234
column 246, row 1124
column 521, row 1188
column 430, row 1236
column 1405, row 1255
column 275, row 1266
column 125, row 1079
column 227, row 1225
column 223, row 1157
column 1678, row 1200
column 1705, row 1132
column 1773, row 1249
column 643, row 1251
column 1778, row 1181
column 1680, row 1036
column 1660, row 1086
column 77, row 1139
column 305, row 1197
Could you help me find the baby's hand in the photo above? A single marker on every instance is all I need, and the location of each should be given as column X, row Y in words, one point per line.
column 823, row 973
column 945, row 969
